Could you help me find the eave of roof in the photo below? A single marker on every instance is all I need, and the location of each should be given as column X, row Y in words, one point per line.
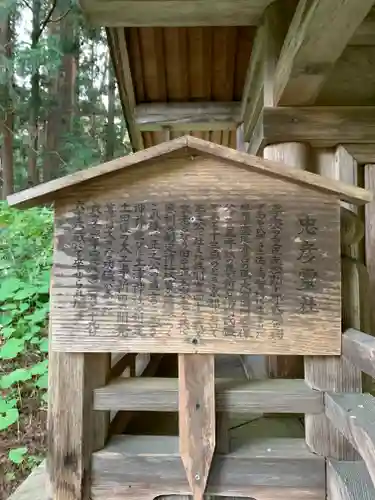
column 47, row 192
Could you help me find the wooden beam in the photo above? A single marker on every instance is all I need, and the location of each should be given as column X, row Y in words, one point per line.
column 318, row 34
column 359, row 348
column 35, row 486
column 320, row 126
column 362, row 153
column 187, row 116
column 236, row 396
column 119, row 54
column 271, row 469
column 349, row 481
column 353, row 415
column 178, row 13
column 196, row 411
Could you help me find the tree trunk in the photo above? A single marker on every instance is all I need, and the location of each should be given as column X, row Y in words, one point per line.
column 111, row 134
column 34, row 103
column 6, row 109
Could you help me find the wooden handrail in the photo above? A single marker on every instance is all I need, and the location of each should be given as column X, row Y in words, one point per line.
column 359, row 348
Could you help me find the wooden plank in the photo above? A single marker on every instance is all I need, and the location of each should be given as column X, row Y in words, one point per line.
column 235, row 396
column 177, row 13
column 353, row 415
column 196, row 410
column 273, row 471
column 73, row 435
column 297, row 156
column 187, row 115
column 369, row 182
column 196, row 188
column 359, row 348
column 119, row 54
column 332, row 373
column 349, row 481
column 120, row 363
column 47, row 192
column 319, row 125
column 318, row 34
column 363, row 153
column 35, row 486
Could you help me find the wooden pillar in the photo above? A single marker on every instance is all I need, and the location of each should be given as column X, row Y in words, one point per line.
column 370, row 248
column 295, row 155
column 332, row 373
column 74, row 429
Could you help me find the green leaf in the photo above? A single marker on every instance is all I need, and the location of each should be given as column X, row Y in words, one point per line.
column 11, row 348
column 8, row 418
column 40, row 368
column 42, row 381
column 7, row 332
column 25, row 293
column 9, row 287
column 17, row 455
column 19, row 375
column 7, row 404
column 43, row 346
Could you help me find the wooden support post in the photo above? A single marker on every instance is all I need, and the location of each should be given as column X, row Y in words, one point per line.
column 370, row 243
column 334, row 374
column 74, row 429
column 295, row 155
column 197, row 418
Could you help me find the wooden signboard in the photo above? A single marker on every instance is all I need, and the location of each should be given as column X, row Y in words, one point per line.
column 196, row 255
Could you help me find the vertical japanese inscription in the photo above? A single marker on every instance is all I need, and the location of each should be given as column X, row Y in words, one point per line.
column 124, row 272
column 276, row 270
column 308, row 276
column 93, row 270
column 260, row 260
column 155, row 228
column 108, row 275
column 245, row 278
column 78, row 246
column 184, row 223
column 198, row 267
column 229, row 245
column 214, row 255
column 169, row 277
column 138, row 282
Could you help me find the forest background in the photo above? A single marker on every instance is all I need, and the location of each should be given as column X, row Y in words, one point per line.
column 59, row 113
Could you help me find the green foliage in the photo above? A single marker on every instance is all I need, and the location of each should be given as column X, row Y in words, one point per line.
column 25, row 260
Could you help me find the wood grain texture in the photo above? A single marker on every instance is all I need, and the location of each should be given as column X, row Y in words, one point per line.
column 49, row 191
column 119, row 54
column 317, row 36
column 234, row 396
column 319, row 125
column 349, row 481
column 359, row 348
column 174, row 13
column 196, row 411
column 297, row 156
column 370, row 241
column 353, row 415
column 34, row 486
column 194, row 116
column 269, row 470
column 363, row 153
column 309, row 281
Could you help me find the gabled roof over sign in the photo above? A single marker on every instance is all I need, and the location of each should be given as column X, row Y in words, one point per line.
column 49, row 191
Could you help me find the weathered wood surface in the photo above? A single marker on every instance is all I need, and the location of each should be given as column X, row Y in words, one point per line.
column 269, row 470
column 319, row 125
column 179, row 267
column 235, row 396
column 174, row 12
column 188, row 115
column 119, row 54
column 370, row 244
column 34, row 487
column 359, row 348
column 73, row 435
column 297, row 156
column 50, row 191
column 349, row 481
column 196, row 411
column 317, row 36
column 353, row 415
column 363, row 153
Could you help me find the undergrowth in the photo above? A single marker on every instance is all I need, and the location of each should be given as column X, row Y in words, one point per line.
column 25, row 261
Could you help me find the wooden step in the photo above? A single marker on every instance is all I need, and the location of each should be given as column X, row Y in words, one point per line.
column 141, row 466
column 349, row 481
column 236, row 396
column 354, row 416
